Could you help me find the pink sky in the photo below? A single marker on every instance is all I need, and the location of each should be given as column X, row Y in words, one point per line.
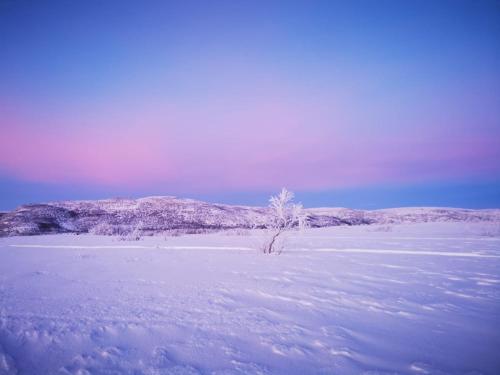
column 197, row 98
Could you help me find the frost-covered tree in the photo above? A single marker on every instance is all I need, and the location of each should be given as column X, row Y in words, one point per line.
column 284, row 216
column 105, row 229
column 136, row 233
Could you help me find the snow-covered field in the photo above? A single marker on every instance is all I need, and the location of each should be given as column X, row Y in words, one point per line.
column 406, row 299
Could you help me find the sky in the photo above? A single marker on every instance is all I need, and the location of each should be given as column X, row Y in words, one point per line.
column 364, row 104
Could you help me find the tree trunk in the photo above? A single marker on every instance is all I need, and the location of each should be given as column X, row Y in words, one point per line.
column 271, row 244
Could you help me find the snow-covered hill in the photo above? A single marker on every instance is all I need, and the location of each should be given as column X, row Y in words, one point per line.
column 160, row 214
column 119, row 216
column 408, row 215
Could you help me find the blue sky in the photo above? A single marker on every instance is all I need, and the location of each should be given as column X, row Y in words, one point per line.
column 364, row 104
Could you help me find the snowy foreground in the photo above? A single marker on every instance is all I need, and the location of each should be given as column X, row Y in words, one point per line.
column 407, row 299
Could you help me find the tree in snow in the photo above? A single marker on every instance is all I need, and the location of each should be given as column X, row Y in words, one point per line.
column 136, row 234
column 284, row 216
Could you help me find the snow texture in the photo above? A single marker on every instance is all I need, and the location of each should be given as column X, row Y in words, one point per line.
column 399, row 299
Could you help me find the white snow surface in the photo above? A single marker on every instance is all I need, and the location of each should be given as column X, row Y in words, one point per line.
column 401, row 299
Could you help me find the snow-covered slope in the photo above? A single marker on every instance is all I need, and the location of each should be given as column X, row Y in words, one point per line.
column 119, row 216
column 160, row 214
column 431, row 214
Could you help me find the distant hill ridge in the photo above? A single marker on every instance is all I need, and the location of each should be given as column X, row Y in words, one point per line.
column 166, row 213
